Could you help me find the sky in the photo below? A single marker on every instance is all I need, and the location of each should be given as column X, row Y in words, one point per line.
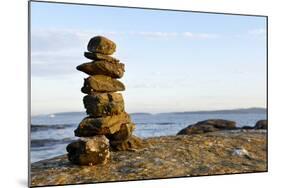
column 174, row 61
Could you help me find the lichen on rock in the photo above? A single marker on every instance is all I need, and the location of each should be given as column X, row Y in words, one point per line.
column 89, row 151
column 165, row 157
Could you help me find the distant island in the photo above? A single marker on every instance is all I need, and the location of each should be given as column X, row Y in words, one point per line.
column 141, row 113
column 232, row 111
column 227, row 111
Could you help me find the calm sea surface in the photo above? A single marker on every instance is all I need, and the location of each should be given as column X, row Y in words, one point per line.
column 51, row 134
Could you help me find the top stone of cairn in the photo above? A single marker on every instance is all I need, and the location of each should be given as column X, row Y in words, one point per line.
column 100, row 44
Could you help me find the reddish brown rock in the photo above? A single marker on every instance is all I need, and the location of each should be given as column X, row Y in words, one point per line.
column 90, row 126
column 104, row 104
column 98, row 56
column 89, row 151
column 131, row 144
column 101, row 84
column 123, row 134
column 114, row 70
column 100, row 44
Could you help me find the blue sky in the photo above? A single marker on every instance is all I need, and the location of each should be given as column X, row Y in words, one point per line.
column 175, row 61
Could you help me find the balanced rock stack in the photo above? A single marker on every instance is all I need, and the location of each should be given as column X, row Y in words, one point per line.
column 108, row 126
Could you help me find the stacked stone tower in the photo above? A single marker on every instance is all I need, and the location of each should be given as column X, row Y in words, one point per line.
column 108, row 126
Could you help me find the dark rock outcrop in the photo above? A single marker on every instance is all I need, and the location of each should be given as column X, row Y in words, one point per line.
column 210, row 125
column 246, row 127
column 219, row 123
column 261, row 124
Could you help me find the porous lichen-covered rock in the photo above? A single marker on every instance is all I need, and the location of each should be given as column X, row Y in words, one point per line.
column 131, row 144
column 261, row 124
column 91, row 126
column 104, row 104
column 210, row 125
column 221, row 152
column 98, row 56
column 89, row 151
column 124, row 133
column 101, row 83
column 114, row 70
column 101, row 45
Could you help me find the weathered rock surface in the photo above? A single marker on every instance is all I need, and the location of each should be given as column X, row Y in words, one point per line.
column 219, row 123
column 89, row 151
column 98, row 56
column 131, row 144
column 124, row 133
column 100, row 44
column 104, row 104
column 114, row 70
column 261, row 124
column 210, row 125
column 221, row 152
column 90, row 126
column 100, row 83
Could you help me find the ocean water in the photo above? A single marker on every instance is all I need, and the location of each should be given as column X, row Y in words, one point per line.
column 51, row 134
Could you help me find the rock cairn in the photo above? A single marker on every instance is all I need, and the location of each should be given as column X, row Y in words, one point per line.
column 108, row 126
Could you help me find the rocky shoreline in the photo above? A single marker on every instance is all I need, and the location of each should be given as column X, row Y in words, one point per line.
column 212, row 153
column 107, row 149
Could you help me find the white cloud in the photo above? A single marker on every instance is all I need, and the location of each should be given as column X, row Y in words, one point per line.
column 259, row 31
column 200, row 35
column 56, row 40
column 54, row 51
column 157, row 34
column 190, row 35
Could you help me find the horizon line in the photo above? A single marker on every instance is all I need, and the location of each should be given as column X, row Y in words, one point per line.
column 242, row 108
